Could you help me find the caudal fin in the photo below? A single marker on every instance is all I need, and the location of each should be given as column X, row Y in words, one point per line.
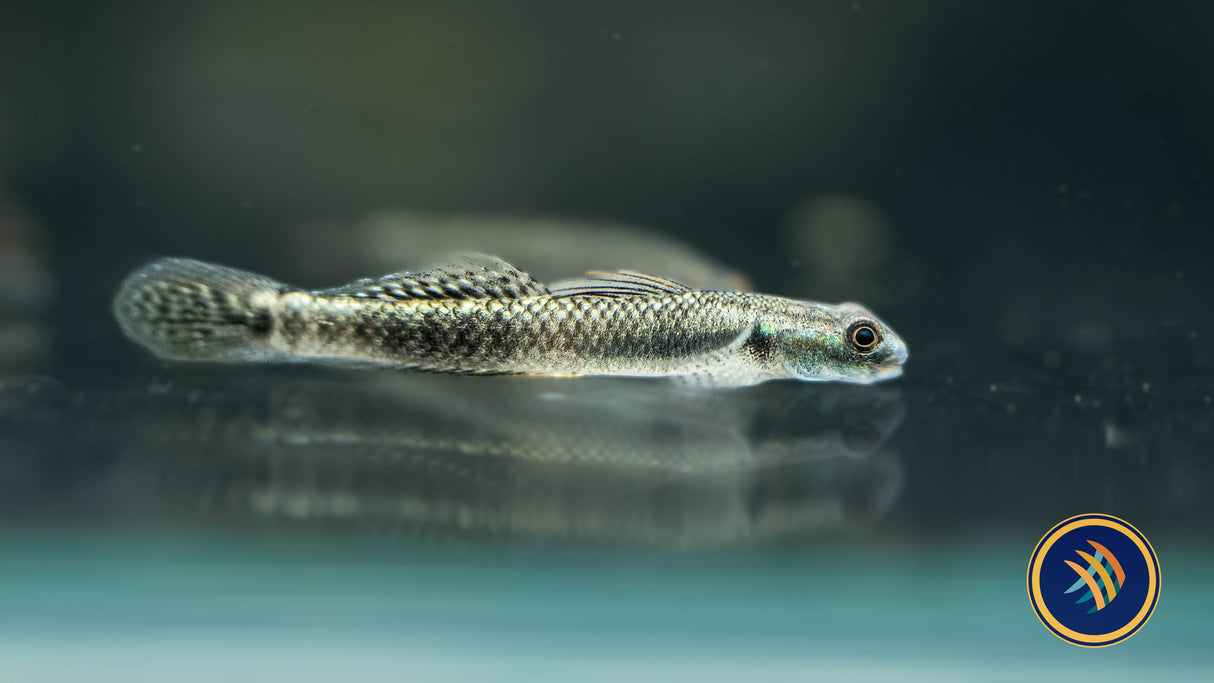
column 184, row 309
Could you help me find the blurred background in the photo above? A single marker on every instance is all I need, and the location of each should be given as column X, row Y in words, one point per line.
column 1023, row 191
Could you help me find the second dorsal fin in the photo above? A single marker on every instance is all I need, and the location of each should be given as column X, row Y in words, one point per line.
column 471, row 276
column 617, row 284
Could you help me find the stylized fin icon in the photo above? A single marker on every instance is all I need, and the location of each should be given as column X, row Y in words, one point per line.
column 1105, row 585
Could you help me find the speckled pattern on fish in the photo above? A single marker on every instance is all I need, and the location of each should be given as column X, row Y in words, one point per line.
column 483, row 316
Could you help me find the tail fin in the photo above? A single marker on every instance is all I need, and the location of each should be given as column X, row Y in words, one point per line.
column 189, row 310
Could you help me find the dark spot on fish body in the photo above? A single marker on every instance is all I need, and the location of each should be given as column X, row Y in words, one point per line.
column 498, row 328
column 423, row 340
column 292, row 326
column 464, row 337
column 404, row 343
column 761, row 345
column 260, row 322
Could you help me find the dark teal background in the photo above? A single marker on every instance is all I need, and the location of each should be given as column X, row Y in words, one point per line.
column 1041, row 179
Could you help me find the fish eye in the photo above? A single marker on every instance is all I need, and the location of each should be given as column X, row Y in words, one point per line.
column 864, row 336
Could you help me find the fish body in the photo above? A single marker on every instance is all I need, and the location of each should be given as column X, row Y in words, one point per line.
column 482, row 316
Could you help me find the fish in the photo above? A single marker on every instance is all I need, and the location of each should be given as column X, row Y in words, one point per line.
column 479, row 315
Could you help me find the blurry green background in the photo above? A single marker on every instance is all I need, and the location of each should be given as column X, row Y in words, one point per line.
column 1023, row 190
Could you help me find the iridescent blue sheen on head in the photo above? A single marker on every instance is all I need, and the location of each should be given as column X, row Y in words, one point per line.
column 843, row 343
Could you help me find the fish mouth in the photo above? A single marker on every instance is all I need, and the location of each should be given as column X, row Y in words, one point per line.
column 901, row 353
column 890, row 372
column 891, row 368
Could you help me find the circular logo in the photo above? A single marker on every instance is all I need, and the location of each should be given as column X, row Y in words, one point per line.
column 1094, row 580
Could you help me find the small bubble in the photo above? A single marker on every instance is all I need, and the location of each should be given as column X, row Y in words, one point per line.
column 1115, row 436
column 855, row 6
column 1146, row 387
column 1078, row 399
column 136, row 148
column 994, row 388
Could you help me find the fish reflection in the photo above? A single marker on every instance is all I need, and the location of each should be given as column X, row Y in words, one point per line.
column 551, row 249
column 26, row 289
column 602, row 462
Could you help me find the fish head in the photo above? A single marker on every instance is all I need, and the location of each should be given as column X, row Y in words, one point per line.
column 843, row 343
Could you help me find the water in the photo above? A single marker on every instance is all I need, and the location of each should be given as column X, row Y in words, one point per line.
column 1023, row 197
column 194, row 606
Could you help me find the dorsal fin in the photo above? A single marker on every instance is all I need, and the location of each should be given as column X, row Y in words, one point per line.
column 471, row 276
column 617, row 284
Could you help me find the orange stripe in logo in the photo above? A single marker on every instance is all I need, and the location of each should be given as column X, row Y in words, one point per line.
column 1112, row 560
